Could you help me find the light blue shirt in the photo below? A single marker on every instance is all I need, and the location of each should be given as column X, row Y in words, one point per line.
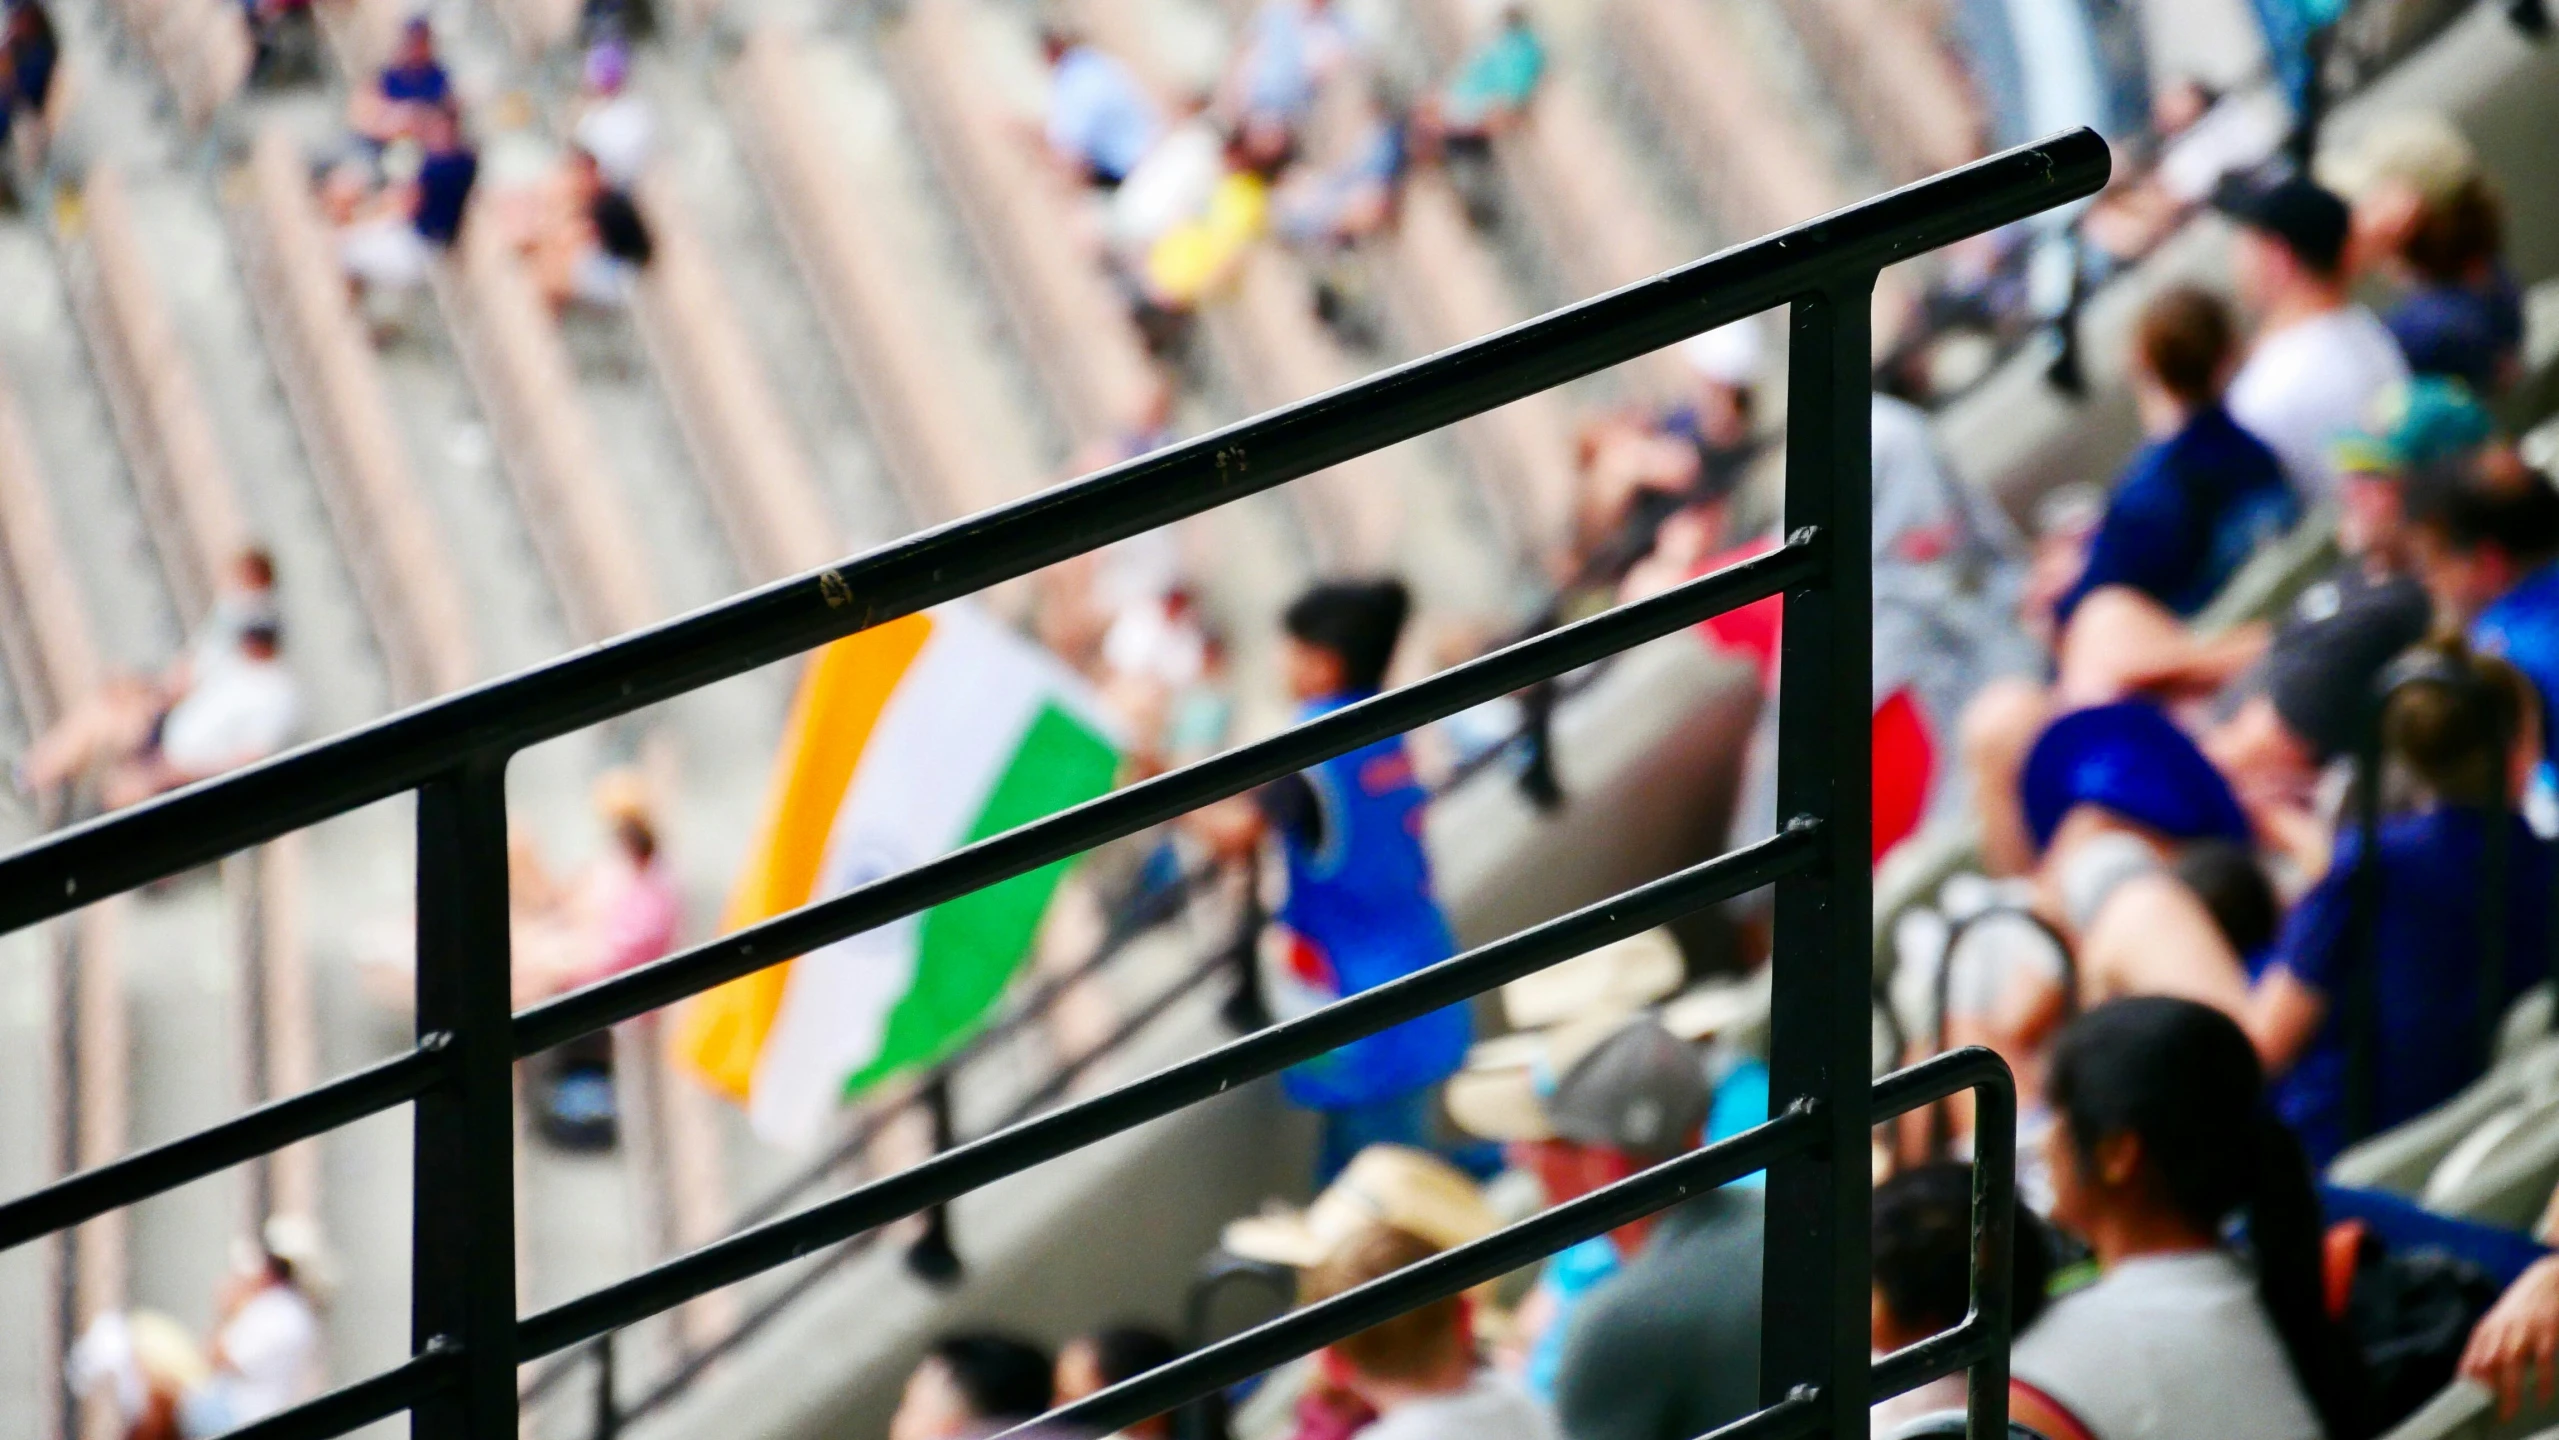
column 1099, row 114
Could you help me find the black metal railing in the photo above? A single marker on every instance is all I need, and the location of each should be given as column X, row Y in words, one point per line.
column 466, row 1337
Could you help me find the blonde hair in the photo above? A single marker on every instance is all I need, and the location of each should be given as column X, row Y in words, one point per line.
column 1407, row 1347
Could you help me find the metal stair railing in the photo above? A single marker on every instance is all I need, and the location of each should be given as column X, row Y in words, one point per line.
column 466, row 1337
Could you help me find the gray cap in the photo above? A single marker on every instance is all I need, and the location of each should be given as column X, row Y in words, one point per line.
column 1629, row 1085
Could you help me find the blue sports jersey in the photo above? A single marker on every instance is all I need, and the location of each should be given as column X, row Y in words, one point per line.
column 2426, row 987
column 1360, row 913
column 2523, row 626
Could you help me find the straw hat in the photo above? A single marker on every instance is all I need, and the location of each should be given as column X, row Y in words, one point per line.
column 2416, row 148
column 1411, row 1190
column 1614, row 980
column 1733, row 1009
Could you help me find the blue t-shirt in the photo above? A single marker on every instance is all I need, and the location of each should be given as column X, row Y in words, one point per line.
column 2426, row 989
column 2465, row 332
column 2189, row 510
column 444, row 189
column 425, row 84
column 1099, row 114
column 1360, row 913
column 2523, row 626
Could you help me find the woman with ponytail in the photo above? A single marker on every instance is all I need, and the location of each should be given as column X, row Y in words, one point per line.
column 2163, row 1138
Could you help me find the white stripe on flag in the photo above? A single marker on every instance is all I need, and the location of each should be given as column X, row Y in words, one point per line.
column 942, row 740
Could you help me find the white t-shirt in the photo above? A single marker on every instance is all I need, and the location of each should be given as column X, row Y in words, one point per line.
column 2168, row 1347
column 273, row 1346
column 1491, row 1407
column 242, row 711
column 618, row 132
column 2308, row 383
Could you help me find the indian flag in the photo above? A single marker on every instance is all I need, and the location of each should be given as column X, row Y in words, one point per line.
column 906, row 741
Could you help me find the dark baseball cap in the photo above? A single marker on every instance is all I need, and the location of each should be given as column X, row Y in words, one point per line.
column 1623, row 1083
column 2307, row 217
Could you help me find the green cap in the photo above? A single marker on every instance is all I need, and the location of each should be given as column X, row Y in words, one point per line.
column 2412, row 425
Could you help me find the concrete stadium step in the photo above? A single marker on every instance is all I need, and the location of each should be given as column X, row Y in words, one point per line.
column 74, row 440
column 704, row 168
column 410, row 588
column 1020, row 216
column 865, row 253
column 201, row 49
column 1899, row 83
column 1756, row 160
column 190, row 504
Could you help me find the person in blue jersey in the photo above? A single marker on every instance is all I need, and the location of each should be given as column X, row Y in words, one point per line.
column 1359, row 911
column 2458, row 736
column 2204, row 494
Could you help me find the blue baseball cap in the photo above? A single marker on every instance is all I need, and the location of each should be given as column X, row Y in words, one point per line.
column 2131, row 759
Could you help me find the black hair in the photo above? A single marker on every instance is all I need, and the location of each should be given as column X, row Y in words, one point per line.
column 1124, row 1352
column 1923, row 1244
column 2233, row 886
column 1357, row 620
column 1001, row 1377
column 2183, row 1078
column 2468, row 509
column 262, row 632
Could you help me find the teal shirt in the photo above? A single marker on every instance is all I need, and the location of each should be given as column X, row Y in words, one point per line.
column 1500, row 76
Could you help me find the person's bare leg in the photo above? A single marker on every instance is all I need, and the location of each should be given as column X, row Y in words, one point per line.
column 2118, row 641
column 101, row 726
column 2153, row 936
column 1996, row 731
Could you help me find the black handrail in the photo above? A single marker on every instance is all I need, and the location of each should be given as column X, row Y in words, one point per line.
column 466, row 1337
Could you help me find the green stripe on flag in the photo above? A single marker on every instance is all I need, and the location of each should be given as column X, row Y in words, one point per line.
column 969, row 948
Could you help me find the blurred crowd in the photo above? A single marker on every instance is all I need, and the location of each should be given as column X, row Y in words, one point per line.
column 410, row 173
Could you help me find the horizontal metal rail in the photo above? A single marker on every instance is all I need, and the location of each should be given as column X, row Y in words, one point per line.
column 209, row 1151
column 1275, row 1342
column 352, row 1407
column 954, row 1173
column 206, row 821
column 1164, row 797
column 797, row 932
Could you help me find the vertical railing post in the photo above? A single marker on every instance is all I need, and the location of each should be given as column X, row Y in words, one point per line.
column 1814, row 1331
column 462, row 1248
column 608, row 1410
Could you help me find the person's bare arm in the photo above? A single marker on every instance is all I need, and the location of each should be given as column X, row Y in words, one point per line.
column 2152, row 936
column 2512, row 1348
column 2283, row 1015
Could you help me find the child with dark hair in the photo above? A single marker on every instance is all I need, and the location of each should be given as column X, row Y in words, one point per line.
column 1094, row 1363
column 1923, row 1248
column 2164, row 1137
column 2204, row 494
column 2457, row 741
column 1359, row 910
column 972, row 1384
column 2487, row 544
